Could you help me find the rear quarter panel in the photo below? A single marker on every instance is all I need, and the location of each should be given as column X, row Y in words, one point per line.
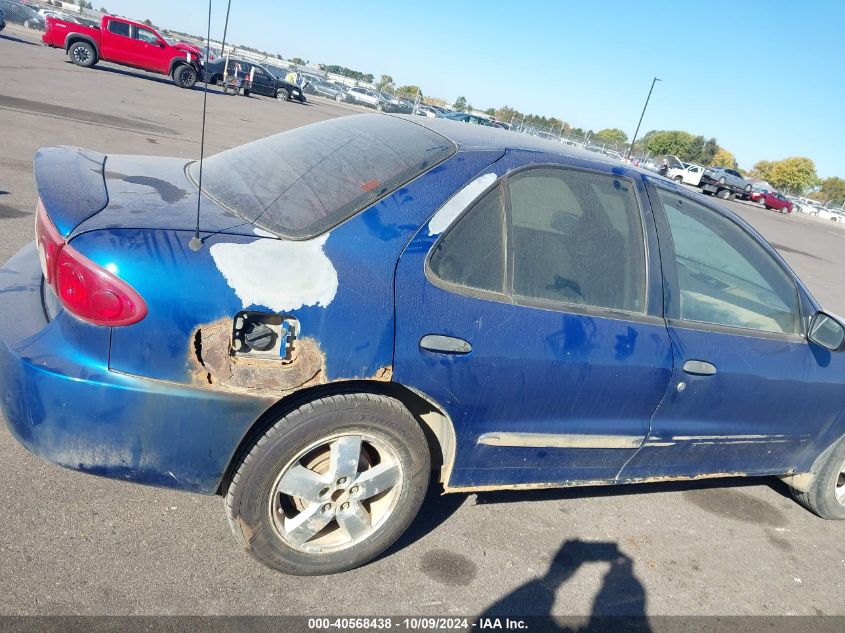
column 339, row 286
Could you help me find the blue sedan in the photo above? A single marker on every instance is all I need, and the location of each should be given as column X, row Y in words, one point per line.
column 374, row 299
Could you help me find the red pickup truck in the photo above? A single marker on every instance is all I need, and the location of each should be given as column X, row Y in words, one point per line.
column 125, row 42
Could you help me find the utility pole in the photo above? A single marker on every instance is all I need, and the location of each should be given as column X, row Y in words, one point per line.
column 637, row 131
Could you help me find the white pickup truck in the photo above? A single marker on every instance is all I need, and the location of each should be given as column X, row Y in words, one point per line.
column 687, row 173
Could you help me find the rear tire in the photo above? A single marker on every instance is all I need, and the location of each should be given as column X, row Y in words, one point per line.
column 184, row 76
column 361, row 466
column 826, row 496
column 724, row 194
column 339, row 98
column 283, row 95
column 82, row 54
column 722, row 180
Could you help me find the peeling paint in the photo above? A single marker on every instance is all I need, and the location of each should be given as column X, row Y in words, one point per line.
column 577, row 484
column 457, row 203
column 281, row 275
column 213, row 365
column 654, row 480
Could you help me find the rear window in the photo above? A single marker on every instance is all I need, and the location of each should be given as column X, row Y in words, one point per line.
column 303, row 182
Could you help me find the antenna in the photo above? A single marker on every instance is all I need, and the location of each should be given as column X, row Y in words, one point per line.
column 195, row 242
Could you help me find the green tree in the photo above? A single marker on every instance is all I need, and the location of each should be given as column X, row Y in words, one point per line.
column 385, row 83
column 410, row 91
column 723, row 158
column 460, row 104
column 611, row 135
column 368, row 78
column 795, row 174
column 103, row 10
column 297, row 60
column 762, row 169
column 147, row 22
column 675, row 142
column 833, row 190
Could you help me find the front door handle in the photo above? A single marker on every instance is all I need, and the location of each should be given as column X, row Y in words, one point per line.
column 445, row 344
column 699, row 368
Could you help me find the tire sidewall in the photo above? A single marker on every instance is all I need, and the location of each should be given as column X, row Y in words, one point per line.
column 177, row 76
column 249, row 497
column 823, row 487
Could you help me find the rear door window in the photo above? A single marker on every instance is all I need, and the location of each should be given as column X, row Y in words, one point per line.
column 577, row 239
column 119, row 28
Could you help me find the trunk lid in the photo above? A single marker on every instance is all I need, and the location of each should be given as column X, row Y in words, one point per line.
column 88, row 191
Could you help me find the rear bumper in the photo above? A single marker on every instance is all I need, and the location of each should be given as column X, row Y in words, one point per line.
column 62, row 403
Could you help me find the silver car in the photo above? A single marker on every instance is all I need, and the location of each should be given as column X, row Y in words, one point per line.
column 724, row 175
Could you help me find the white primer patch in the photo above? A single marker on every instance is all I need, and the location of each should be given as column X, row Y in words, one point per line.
column 278, row 274
column 457, row 203
column 263, row 233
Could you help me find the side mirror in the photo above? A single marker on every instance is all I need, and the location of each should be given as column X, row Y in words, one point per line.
column 827, row 331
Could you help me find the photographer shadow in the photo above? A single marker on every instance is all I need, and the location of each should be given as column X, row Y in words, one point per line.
column 619, row 605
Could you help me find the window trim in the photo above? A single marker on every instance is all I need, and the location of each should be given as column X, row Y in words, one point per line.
column 546, row 304
column 670, row 275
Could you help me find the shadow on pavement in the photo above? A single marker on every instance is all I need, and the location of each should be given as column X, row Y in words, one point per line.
column 12, row 38
column 619, row 605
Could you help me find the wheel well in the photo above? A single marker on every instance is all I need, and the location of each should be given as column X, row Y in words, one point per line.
column 73, row 38
column 177, row 61
column 437, row 427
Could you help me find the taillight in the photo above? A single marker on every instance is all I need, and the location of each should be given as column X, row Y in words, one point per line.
column 49, row 242
column 85, row 289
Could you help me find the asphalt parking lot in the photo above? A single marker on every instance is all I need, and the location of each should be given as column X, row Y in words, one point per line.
column 75, row 544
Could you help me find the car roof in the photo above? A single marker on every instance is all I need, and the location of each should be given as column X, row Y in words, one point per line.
column 482, row 137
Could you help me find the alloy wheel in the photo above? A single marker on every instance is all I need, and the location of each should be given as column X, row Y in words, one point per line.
column 335, row 493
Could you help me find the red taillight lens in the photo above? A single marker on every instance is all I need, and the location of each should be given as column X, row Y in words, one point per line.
column 85, row 289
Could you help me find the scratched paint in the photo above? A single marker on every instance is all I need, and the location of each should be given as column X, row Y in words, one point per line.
column 281, row 275
column 457, row 203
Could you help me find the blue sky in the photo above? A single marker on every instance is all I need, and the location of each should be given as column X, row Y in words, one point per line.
column 764, row 77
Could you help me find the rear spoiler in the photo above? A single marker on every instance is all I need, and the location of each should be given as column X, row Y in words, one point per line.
column 71, row 185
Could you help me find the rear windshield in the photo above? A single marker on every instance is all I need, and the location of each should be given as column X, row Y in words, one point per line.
column 303, row 182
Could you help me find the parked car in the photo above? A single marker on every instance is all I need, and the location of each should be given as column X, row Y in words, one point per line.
column 19, row 13
column 325, row 89
column 314, row 356
column 367, row 97
column 466, row 117
column 777, row 202
column 392, row 103
column 263, row 82
column 122, row 41
column 426, row 110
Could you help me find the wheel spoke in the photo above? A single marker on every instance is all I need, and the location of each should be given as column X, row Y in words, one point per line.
column 301, row 482
column 306, row 524
column 354, row 520
column 345, row 453
column 377, row 479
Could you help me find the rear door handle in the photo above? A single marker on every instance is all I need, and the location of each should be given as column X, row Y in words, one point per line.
column 699, row 368
column 445, row 344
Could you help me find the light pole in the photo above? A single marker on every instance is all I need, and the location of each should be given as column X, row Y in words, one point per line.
column 633, row 140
